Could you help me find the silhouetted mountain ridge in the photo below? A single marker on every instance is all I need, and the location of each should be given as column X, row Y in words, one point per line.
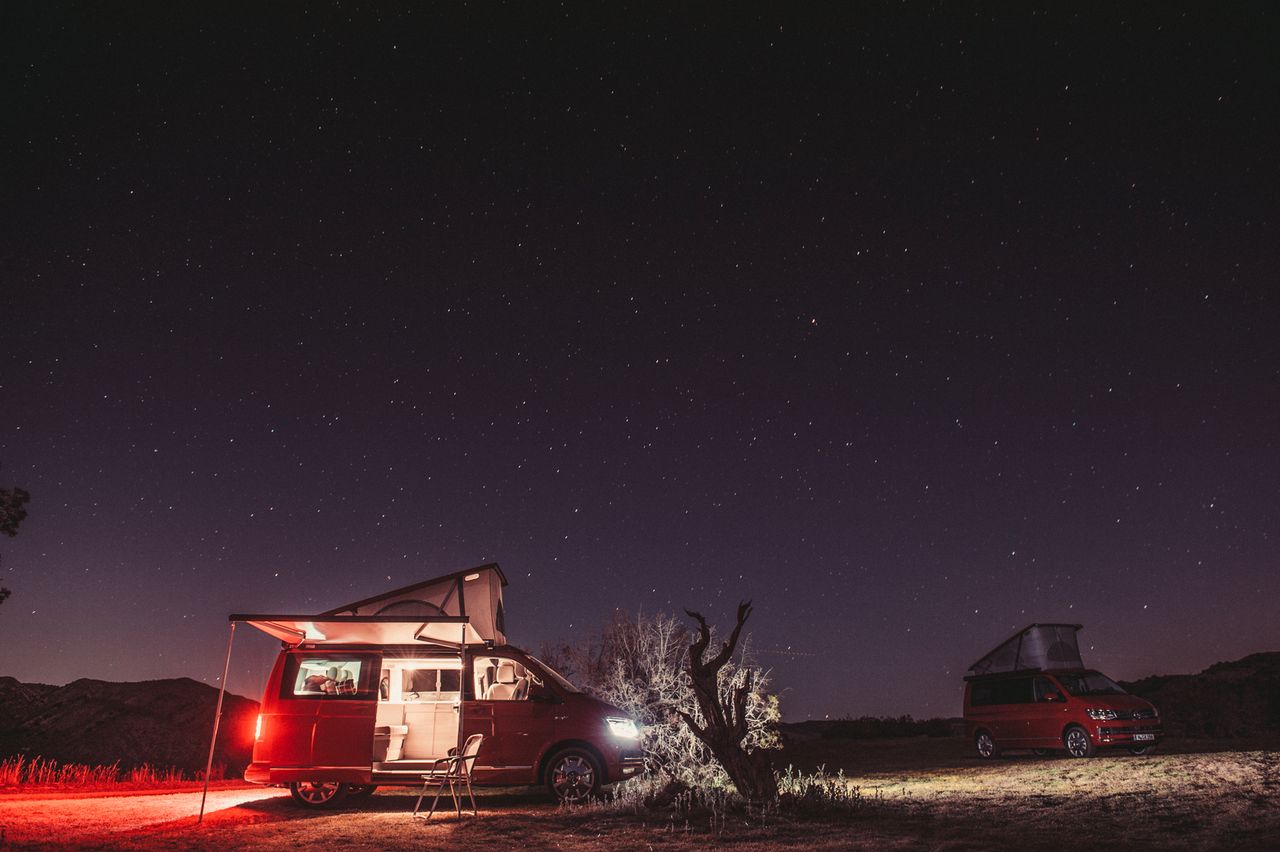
column 1233, row 699
column 163, row 723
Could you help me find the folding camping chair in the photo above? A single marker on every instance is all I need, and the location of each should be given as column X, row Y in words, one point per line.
column 453, row 772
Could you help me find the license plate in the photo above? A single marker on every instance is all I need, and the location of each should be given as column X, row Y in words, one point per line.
column 1140, row 737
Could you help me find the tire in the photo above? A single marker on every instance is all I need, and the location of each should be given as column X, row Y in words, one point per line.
column 1042, row 752
column 985, row 745
column 573, row 776
column 1142, row 750
column 319, row 794
column 1077, row 742
column 360, row 792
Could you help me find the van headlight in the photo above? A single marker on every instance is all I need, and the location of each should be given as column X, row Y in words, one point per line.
column 1101, row 715
column 624, row 728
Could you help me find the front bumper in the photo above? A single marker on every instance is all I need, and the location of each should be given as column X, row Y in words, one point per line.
column 632, row 762
column 1128, row 733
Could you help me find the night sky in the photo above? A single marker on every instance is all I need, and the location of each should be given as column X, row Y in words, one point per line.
column 912, row 323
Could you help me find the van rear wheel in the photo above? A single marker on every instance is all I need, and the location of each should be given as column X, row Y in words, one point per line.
column 985, row 744
column 573, row 776
column 360, row 792
column 1077, row 743
column 1141, row 750
column 318, row 794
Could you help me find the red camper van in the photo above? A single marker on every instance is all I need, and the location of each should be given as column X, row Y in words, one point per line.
column 373, row 692
column 1034, row 692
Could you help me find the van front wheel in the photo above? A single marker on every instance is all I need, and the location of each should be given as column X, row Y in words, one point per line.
column 1077, row 743
column 573, row 776
column 318, row 794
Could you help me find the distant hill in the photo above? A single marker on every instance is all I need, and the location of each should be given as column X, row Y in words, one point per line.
column 159, row 722
column 1237, row 699
column 19, row 700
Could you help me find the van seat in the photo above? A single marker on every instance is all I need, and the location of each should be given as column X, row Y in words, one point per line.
column 504, row 688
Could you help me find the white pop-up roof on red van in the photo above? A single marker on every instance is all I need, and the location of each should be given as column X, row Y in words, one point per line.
column 460, row 608
column 1036, row 646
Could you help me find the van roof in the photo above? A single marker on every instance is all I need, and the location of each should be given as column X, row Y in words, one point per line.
column 462, row 608
column 401, row 592
column 1036, row 646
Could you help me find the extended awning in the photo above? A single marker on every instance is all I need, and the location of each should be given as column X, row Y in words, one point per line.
column 364, row 629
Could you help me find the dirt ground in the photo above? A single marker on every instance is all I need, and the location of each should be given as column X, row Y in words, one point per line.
column 914, row 794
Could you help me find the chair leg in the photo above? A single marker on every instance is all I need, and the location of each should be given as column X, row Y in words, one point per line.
column 471, row 795
column 421, row 794
column 436, row 800
column 459, row 787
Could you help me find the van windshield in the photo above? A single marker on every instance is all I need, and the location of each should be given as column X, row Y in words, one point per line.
column 1089, row 683
column 560, row 680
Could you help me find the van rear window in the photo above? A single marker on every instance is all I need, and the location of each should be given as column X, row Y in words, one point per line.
column 329, row 676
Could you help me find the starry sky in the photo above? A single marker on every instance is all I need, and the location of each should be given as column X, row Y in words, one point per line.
column 912, row 322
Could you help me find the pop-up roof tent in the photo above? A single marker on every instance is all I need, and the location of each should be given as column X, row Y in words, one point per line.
column 460, row 608
column 457, row 610
column 1036, row 646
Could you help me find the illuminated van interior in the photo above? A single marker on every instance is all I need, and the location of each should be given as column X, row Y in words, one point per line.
column 327, row 676
column 501, row 679
column 422, row 696
column 417, row 712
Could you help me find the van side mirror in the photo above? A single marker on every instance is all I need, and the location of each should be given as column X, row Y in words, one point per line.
column 1053, row 696
column 544, row 696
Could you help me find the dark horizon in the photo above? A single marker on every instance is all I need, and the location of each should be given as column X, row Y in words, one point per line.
column 914, row 325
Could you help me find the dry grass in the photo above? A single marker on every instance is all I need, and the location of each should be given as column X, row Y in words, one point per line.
column 917, row 794
column 26, row 774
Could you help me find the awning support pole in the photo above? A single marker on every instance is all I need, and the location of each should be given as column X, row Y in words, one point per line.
column 462, row 685
column 217, row 717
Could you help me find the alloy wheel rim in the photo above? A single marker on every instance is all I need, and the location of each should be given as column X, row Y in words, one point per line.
column 317, row 792
column 985, row 745
column 1076, row 743
column 573, row 778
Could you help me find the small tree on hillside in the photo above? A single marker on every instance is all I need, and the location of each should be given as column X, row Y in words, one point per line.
column 13, row 503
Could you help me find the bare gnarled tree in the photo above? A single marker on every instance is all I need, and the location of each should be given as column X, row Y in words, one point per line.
column 724, row 714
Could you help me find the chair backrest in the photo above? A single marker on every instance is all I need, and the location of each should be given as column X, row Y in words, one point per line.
column 467, row 757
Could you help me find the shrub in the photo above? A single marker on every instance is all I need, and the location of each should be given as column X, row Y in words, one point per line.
column 639, row 664
column 816, row 792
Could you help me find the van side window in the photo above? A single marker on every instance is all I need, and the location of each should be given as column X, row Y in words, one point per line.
column 1045, row 687
column 1004, row 691
column 503, row 679
column 330, row 676
column 435, row 684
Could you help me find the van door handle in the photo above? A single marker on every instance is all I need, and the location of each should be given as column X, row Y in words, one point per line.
column 559, row 718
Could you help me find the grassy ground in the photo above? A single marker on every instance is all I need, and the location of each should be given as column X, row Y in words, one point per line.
column 915, row 794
